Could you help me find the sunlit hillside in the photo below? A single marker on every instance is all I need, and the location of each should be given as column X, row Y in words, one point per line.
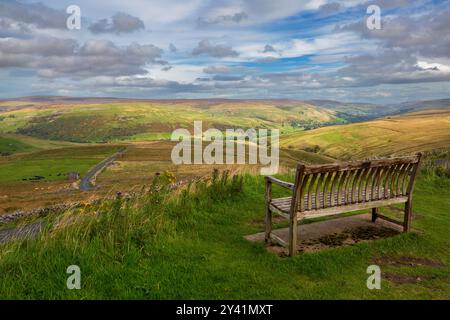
column 418, row 131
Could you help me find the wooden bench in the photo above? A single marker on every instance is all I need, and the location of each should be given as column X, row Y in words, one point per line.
column 330, row 189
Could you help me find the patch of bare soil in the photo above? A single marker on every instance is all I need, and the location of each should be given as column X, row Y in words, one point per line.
column 407, row 261
column 404, row 279
column 371, row 233
column 401, row 261
column 348, row 237
column 333, row 240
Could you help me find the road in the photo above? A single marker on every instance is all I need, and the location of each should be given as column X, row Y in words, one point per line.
column 31, row 230
column 85, row 183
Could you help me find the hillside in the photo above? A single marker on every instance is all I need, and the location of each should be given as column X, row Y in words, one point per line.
column 355, row 111
column 414, row 106
column 419, row 131
column 108, row 119
column 103, row 122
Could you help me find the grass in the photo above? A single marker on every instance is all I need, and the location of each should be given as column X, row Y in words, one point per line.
column 52, row 164
column 9, row 146
column 190, row 245
column 16, row 143
column 408, row 133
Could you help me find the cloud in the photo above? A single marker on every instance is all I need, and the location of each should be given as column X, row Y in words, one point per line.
column 12, row 29
column 204, row 47
column 389, row 67
column 235, row 18
column 269, row 48
column 217, row 69
column 221, row 77
column 256, row 11
column 426, row 34
column 54, row 57
column 404, row 45
column 118, row 24
column 172, row 48
column 329, row 8
column 36, row 14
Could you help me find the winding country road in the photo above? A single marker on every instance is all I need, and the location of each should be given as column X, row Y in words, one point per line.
column 85, row 183
column 31, row 230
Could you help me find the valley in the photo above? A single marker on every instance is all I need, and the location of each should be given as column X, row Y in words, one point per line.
column 44, row 142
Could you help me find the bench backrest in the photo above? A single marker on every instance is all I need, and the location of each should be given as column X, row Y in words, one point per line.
column 331, row 185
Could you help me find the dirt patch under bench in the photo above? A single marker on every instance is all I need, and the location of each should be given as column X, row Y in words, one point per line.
column 333, row 233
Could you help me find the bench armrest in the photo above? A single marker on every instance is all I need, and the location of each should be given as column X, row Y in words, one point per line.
column 280, row 182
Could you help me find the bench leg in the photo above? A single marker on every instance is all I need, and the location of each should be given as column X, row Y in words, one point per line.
column 408, row 216
column 292, row 237
column 268, row 225
column 375, row 212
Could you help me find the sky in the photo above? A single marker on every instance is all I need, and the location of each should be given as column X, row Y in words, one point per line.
column 172, row 49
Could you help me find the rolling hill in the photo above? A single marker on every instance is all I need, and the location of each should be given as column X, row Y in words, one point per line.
column 33, row 123
column 97, row 120
column 104, row 120
column 393, row 135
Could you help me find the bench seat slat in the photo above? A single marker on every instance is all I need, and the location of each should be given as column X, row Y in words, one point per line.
column 284, row 204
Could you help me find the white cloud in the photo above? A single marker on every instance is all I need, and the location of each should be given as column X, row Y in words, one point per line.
column 434, row 66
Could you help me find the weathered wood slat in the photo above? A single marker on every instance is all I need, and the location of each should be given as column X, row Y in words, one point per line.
column 301, row 205
column 335, row 186
column 278, row 240
column 326, row 186
column 406, row 179
column 354, row 184
column 349, row 208
column 362, row 184
column 400, row 179
column 279, row 182
column 382, row 216
column 318, row 187
column 380, row 182
column 369, row 182
column 358, row 164
column 387, row 181
column 348, row 186
column 341, row 186
column 376, row 181
column 310, row 188
column 393, row 187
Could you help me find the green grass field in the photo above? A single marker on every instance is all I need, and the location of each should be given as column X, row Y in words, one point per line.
column 9, row 146
column 191, row 246
column 16, row 143
column 52, row 164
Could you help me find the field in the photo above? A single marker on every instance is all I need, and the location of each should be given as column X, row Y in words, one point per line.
column 394, row 135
